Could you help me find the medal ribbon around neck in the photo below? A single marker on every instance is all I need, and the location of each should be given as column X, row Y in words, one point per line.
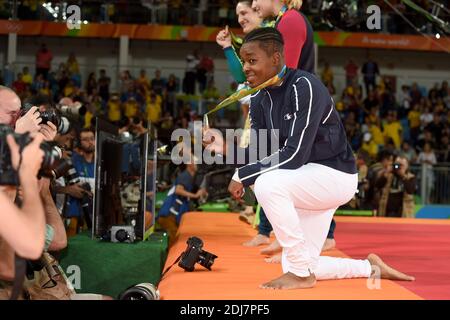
column 247, row 91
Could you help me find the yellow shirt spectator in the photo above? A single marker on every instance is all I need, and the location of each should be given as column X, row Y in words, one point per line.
column 327, row 75
column 371, row 148
column 45, row 91
column 87, row 119
column 114, row 113
column 27, row 78
column 393, row 130
column 69, row 90
column 414, row 119
column 377, row 135
column 131, row 108
column 153, row 111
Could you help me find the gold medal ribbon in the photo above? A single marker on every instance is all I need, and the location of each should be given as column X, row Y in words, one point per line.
column 238, row 95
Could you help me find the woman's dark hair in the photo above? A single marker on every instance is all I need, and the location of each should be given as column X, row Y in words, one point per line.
column 270, row 39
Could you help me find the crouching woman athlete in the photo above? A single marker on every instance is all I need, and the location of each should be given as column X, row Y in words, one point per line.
column 313, row 173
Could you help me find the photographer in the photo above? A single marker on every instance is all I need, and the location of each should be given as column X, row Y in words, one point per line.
column 10, row 110
column 398, row 186
column 48, row 130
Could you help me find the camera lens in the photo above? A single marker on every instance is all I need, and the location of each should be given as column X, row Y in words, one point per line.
column 122, row 235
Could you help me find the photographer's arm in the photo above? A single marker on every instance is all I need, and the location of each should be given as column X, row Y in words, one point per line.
column 410, row 184
column 181, row 191
column 53, row 218
column 24, row 229
column 381, row 179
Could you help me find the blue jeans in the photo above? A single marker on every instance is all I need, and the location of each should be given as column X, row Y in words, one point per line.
column 264, row 227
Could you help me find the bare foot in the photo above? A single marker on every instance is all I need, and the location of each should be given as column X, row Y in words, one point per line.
column 247, row 217
column 273, row 259
column 258, row 240
column 272, row 249
column 329, row 244
column 290, row 281
column 386, row 272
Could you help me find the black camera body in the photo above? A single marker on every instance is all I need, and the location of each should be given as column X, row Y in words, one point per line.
column 8, row 176
column 396, row 166
column 194, row 254
column 62, row 124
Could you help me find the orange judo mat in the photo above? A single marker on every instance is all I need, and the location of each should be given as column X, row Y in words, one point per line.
column 238, row 271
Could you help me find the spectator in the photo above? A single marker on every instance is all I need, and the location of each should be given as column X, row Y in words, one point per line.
column 433, row 94
column 415, row 94
column 113, row 108
column 414, row 123
column 39, row 83
column 443, row 153
column 205, row 72
column 393, row 129
column 91, row 84
column 73, row 69
column 153, row 110
column 351, row 73
column 171, row 95
column 327, row 75
column 158, row 84
column 408, row 152
column 426, row 137
column 426, row 117
column 44, row 59
column 19, row 85
column 70, row 90
column 26, row 76
column 143, row 81
column 427, row 158
column 126, row 82
column 444, row 91
column 103, row 85
column 190, row 73
column 398, row 186
column 369, row 146
column 405, row 99
column 8, row 75
column 131, row 108
column 370, row 102
column 436, row 127
column 370, row 71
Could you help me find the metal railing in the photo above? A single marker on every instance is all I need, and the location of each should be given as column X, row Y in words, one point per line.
column 433, row 183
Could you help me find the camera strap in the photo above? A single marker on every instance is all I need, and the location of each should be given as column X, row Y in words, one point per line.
column 167, row 270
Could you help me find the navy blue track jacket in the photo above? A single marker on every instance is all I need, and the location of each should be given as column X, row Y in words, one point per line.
column 310, row 129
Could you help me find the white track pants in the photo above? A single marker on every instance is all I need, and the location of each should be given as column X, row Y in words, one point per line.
column 300, row 205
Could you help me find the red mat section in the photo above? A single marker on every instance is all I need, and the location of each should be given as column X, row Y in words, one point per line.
column 422, row 250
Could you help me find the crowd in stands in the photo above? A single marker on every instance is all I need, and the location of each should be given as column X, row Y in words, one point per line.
column 383, row 121
column 217, row 13
column 410, row 121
